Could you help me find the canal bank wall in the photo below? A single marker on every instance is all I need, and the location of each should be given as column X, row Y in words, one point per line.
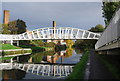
column 12, row 52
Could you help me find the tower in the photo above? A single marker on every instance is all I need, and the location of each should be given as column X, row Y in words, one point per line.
column 6, row 16
column 54, row 26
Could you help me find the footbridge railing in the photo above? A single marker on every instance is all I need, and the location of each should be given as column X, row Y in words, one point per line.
column 53, row 33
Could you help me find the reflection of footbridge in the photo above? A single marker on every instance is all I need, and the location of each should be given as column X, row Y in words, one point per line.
column 56, row 70
column 46, row 69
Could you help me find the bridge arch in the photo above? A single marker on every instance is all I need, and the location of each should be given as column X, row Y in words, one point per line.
column 51, row 33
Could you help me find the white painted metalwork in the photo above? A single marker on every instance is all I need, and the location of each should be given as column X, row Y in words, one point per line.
column 111, row 35
column 47, row 33
column 46, row 69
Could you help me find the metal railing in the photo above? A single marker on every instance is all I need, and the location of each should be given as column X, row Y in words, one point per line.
column 50, row 33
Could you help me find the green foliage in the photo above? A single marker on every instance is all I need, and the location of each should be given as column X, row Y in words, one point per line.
column 78, row 51
column 4, row 29
column 50, row 44
column 79, row 69
column 40, row 43
column 98, row 28
column 109, row 9
column 17, row 26
column 36, row 58
column 60, row 47
column 34, row 49
column 37, row 43
column 83, row 44
column 21, row 25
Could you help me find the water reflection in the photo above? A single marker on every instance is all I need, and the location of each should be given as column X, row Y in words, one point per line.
column 52, row 57
column 38, row 61
column 15, row 74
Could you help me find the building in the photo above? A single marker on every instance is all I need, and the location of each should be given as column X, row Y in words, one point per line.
column 6, row 16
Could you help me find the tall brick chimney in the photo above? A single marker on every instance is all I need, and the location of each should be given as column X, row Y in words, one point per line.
column 6, row 16
column 54, row 26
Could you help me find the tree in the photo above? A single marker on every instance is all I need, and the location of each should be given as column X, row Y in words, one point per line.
column 83, row 44
column 5, row 29
column 12, row 26
column 109, row 9
column 21, row 25
column 17, row 26
column 37, row 43
column 98, row 28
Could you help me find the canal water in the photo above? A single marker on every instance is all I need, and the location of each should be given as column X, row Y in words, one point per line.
column 62, row 58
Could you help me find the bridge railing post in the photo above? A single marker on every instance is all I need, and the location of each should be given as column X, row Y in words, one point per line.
column 83, row 34
column 77, row 34
column 71, row 36
column 11, row 42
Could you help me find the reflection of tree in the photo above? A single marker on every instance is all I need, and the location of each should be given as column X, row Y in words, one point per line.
column 13, row 74
column 78, row 51
column 37, row 57
column 23, row 58
column 69, row 43
column 69, row 52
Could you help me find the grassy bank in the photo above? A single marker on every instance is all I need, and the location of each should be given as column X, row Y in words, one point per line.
column 6, row 58
column 79, row 69
column 11, row 52
column 7, row 49
column 8, row 46
column 37, row 49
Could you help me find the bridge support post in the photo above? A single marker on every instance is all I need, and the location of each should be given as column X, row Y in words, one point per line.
column 11, row 61
column 17, row 59
column 17, row 43
column 11, row 42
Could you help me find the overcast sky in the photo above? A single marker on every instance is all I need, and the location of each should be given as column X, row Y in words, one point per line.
column 83, row 15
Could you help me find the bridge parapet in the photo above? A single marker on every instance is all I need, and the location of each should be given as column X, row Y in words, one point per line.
column 110, row 38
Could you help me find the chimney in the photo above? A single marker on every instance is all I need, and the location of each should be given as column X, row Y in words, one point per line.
column 54, row 26
column 6, row 16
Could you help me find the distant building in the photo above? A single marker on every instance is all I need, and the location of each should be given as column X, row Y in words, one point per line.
column 6, row 16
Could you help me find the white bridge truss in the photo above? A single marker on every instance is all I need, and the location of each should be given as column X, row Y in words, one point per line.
column 46, row 69
column 52, row 33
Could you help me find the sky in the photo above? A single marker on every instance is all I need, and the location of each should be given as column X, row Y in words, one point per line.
column 83, row 15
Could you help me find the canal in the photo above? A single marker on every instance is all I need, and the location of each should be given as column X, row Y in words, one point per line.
column 60, row 65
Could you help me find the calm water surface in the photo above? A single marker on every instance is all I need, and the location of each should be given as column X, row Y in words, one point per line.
column 68, row 56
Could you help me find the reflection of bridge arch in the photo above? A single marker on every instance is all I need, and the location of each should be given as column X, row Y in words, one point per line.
column 51, row 33
column 46, row 69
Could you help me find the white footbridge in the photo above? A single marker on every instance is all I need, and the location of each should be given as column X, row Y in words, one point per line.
column 52, row 33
